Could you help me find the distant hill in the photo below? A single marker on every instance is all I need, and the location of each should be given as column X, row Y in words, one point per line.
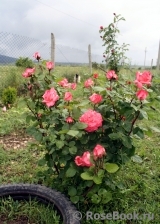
column 10, row 60
column 6, row 59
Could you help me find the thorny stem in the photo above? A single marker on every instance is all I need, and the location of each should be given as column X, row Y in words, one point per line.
column 114, row 110
column 132, row 100
column 89, row 189
column 56, row 168
column 32, row 110
column 36, row 116
column 101, row 69
column 134, row 120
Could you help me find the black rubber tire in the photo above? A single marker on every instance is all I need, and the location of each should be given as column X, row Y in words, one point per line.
column 44, row 195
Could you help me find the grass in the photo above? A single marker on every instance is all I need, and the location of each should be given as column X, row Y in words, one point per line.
column 139, row 179
column 27, row 212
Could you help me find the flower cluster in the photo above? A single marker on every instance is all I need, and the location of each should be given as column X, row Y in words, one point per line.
column 85, row 160
column 142, row 79
column 90, row 137
column 88, row 132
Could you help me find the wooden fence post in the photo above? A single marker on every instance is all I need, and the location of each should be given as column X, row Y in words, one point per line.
column 53, row 49
column 90, row 60
column 151, row 64
column 158, row 60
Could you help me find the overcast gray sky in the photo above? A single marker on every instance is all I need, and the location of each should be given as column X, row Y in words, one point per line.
column 75, row 24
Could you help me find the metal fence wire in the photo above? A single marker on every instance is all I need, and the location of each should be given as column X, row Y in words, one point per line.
column 13, row 46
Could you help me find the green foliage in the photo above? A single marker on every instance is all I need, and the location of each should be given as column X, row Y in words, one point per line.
column 137, row 184
column 11, row 76
column 24, row 62
column 31, row 211
column 114, row 54
column 9, row 95
column 65, row 143
column 13, row 120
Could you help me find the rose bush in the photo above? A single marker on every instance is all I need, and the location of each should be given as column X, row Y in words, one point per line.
column 87, row 138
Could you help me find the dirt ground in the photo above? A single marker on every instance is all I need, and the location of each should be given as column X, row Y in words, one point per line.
column 19, row 220
column 15, row 141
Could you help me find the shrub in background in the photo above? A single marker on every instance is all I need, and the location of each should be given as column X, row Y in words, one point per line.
column 11, row 76
column 24, row 62
column 114, row 54
column 9, row 96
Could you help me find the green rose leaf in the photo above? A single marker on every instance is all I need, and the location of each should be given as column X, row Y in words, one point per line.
column 59, row 144
column 73, row 133
column 72, row 191
column 72, row 143
column 115, row 136
column 98, row 88
column 111, row 167
column 73, row 150
column 105, row 195
column 144, row 114
column 65, row 150
column 81, row 125
column 127, row 141
column 84, row 103
column 87, row 176
column 138, row 132
column 74, row 199
column 102, row 192
column 127, row 126
column 70, row 172
column 100, row 173
column 97, row 179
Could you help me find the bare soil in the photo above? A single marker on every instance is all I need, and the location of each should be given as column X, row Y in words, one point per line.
column 15, row 141
column 18, row 220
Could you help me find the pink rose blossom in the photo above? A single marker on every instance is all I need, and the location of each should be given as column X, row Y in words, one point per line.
column 95, row 98
column 69, row 119
column 73, row 86
column 28, row 72
column 83, row 160
column 68, row 96
column 86, row 159
column 37, row 55
column 93, row 120
column 142, row 94
column 101, row 27
column 49, row 65
column 99, row 151
column 111, row 75
column 63, row 83
column 50, row 97
column 78, row 161
column 138, row 84
column 144, row 78
column 88, row 83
